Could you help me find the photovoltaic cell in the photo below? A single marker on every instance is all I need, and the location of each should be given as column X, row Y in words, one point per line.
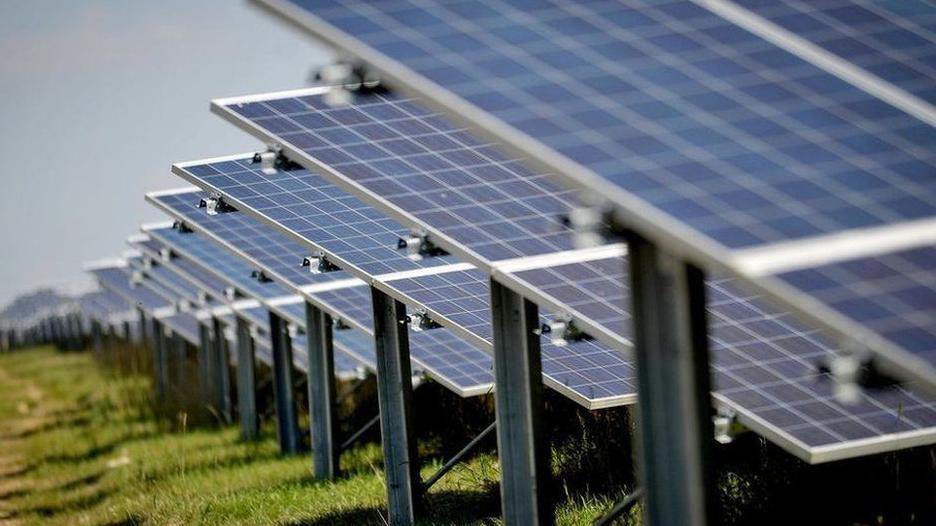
column 307, row 207
column 893, row 294
column 742, row 141
column 891, row 40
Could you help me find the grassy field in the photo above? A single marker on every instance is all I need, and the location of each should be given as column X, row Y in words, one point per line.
column 79, row 445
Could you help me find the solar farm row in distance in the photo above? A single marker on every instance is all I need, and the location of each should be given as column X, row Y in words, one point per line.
column 587, row 372
column 350, row 355
column 105, row 306
column 116, row 278
column 461, row 367
column 705, row 136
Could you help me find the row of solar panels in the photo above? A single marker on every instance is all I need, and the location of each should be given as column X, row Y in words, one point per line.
column 786, row 143
column 703, row 127
column 245, row 263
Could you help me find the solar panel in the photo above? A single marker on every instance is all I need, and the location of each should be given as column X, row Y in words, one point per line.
column 214, row 258
column 705, row 136
column 453, row 363
column 351, row 352
column 183, row 324
column 890, row 40
column 576, row 377
column 258, row 242
column 177, row 284
column 103, row 305
column 341, row 224
column 116, row 279
column 207, row 281
column 893, row 294
column 766, row 368
column 429, row 171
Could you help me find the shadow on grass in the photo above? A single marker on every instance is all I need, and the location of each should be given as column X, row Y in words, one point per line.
column 442, row 507
column 65, row 505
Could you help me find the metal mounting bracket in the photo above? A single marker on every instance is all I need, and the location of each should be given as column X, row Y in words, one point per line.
column 562, row 330
column 318, row 263
column 215, row 204
column 420, row 321
column 418, row 246
column 261, row 276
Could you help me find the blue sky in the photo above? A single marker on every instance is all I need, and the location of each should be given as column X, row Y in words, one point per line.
column 99, row 98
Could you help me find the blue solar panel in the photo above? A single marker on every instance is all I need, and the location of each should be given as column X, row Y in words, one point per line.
column 183, row 324
column 766, row 366
column 891, row 40
column 205, row 280
column 744, row 142
column 588, row 372
column 893, row 294
column 452, row 362
column 587, row 290
column 171, row 281
column 117, row 280
column 352, row 305
column 102, row 305
column 213, row 257
column 274, row 251
column 428, row 169
column 309, row 208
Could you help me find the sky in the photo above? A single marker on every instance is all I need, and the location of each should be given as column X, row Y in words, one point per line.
column 98, row 98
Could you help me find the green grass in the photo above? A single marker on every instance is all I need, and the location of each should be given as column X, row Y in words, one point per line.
column 80, row 445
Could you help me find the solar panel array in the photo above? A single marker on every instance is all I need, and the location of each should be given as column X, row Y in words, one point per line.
column 573, row 371
column 461, row 298
column 704, row 132
column 449, row 360
column 707, row 125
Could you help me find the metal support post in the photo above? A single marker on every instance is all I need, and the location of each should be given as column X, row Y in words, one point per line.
column 673, row 377
column 206, row 376
column 97, row 338
column 221, row 370
column 160, row 359
column 394, row 395
column 246, row 382
column 178, row 357
column 525, row 477
column 287, row 426
column 325, row 452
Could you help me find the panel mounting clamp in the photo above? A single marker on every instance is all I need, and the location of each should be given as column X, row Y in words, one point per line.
column 562, row 330
column 347, row 77
column 318, row 263
column 420, row 321
column 418, row 245
column 590, row 222
column 215, row 204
